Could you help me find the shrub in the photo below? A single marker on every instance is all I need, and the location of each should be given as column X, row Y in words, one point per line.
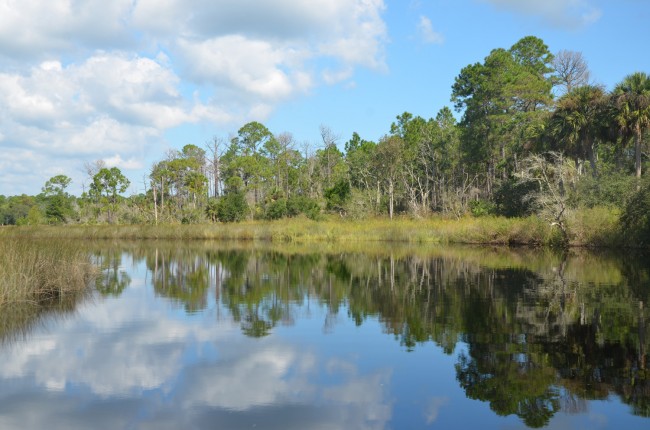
column 232, row 207
column 513, row 198
column 610, row 189
column 635, row 219
column 276, row 209
column 303, row 204
column 481, row 208
column 337, row 195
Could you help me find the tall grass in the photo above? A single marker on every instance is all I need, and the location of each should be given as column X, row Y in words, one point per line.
column 432, row 230
column 594, row 228
column 39, row 271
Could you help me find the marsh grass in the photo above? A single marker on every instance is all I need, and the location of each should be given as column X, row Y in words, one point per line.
column 42, row 271
column 595, row 228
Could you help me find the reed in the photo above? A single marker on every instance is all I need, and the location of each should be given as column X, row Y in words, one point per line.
column 41, row 271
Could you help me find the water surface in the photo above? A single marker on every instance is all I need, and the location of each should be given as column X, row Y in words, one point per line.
column 206, row 335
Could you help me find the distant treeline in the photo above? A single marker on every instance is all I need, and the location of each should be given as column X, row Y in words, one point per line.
column 536, row 136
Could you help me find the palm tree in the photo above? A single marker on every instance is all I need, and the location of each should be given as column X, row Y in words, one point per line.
column 576, row 122
column 632, row 99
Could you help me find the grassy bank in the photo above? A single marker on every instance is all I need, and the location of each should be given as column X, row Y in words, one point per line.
column 589, row 228
column 40, row 271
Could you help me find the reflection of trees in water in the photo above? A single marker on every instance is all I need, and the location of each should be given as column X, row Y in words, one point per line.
column 113, row 279
column 541, row 333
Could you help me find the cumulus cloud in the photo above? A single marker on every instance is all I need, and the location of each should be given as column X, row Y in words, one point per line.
column 98, row 79
column 111, row 104
column 35, row 29
column 569, row 14
column 427, row 33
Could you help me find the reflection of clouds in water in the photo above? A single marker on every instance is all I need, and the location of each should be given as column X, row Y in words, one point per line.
column 247, row 377
column 113, row 350
column 433, row 408
column 146, row 370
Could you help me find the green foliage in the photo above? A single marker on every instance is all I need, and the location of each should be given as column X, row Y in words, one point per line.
column 56, row 185
column 610, row 189
column 232, row 207
column 192, row 216
column 480, row 208
column 635, row 219
column 15, row 209
column 512, row 198
column 337, row 195
column 276, row 209
column 632, row 111
column 502, row 98
column 297, row 205
column 34, row 217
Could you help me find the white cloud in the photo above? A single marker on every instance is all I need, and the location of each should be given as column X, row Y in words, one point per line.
column 117, row 161
column 237, row 63
column 111, row 104
column 427, row 33
column 569, row 14
column 92, row 79
column 37, row 29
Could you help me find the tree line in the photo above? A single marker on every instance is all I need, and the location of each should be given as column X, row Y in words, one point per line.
column 531, row 125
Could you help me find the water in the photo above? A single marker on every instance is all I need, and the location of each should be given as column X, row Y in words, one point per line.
column 203, row 335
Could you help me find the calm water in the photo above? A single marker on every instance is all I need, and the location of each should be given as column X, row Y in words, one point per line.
column 205, row 336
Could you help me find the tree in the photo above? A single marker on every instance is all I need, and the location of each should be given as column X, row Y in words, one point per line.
column 106, row 185
column 245, row 158
column 56, row 185
column 632, row 98
column 552, row 176
column 576, row 123
column 500, row 98
column 58, row 202
column 389, row 164
column 571, row 70
column 232, row 207
column 216, row 147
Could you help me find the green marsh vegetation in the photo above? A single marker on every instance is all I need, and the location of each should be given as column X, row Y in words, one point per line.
column 595, row 227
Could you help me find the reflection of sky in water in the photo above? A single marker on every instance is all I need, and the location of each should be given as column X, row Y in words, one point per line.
column 139, row 361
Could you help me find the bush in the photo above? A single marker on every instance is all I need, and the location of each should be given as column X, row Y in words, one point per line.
column 611, row 189
column 276, row 209
column 232, row 207
column 635, row 219
column 513, row 198
column 362, row 204
column 480, row 208
column 337, row 195
column 303, row 204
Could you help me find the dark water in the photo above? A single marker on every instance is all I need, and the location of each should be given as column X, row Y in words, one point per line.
column 206, row 336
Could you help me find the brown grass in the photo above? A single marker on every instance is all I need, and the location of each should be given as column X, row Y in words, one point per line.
column 38, row 271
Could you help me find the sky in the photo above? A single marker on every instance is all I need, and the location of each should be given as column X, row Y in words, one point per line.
column 127, row 81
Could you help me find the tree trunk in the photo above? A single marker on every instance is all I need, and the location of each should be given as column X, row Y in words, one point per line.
column 637, row 152
column 155, row 204
column 592, row 159
column 390, row 195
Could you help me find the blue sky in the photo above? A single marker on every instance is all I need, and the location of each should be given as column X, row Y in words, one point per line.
column 126, row 81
